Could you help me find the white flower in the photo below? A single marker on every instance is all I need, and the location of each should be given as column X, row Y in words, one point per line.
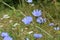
column 15, row 24
column 56, row 28
column 32, row 4
column 6, row 16
column 30, row 32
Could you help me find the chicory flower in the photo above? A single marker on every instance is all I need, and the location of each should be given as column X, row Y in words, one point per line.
column 4, row 34
column 27, row 20
column 37, row 13
column 38, row 35
column 7, row 38
column 41, row 20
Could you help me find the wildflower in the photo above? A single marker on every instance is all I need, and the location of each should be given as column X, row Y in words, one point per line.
column 41, row 20
column 30, row 32
column 15, row 24
column 4, row 34
column 51, row 24
column 38, row 35
column 37, row 12
column 6, row 16
column 29, row 1
column 32, row 4
column 7, row 38
column 27, row 20
column 56, row 28
column 26, row 38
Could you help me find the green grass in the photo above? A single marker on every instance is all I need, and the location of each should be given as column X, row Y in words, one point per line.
column 50, row 11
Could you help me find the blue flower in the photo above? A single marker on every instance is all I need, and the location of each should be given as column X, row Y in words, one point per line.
column 27, row 20
column 4, row 34
column 56, row 28
column 29, row 1
column 7, row 38
column 51, row 24
column 38, row 35
column 37, row 12
column 41, row 20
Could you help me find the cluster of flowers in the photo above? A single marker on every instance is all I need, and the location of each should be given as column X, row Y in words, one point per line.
column 37, row 13
column 55, row 27
column 6, row 36
column 28, row 19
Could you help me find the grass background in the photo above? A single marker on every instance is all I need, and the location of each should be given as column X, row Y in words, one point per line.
column 50, row 10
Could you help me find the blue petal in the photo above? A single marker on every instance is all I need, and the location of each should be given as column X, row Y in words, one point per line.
column 44, row 20
column 7, row 38
column 40, row 20
column 27, row 20
column 37, row 12
column 29, row 1
column 38, row 35
column 51, row 24
column 4, row 34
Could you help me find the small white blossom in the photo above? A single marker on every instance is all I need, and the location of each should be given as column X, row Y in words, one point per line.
column 6, row 16
column 15, row 24
column 56, row 28
column 30, row 32
column 32, row 4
